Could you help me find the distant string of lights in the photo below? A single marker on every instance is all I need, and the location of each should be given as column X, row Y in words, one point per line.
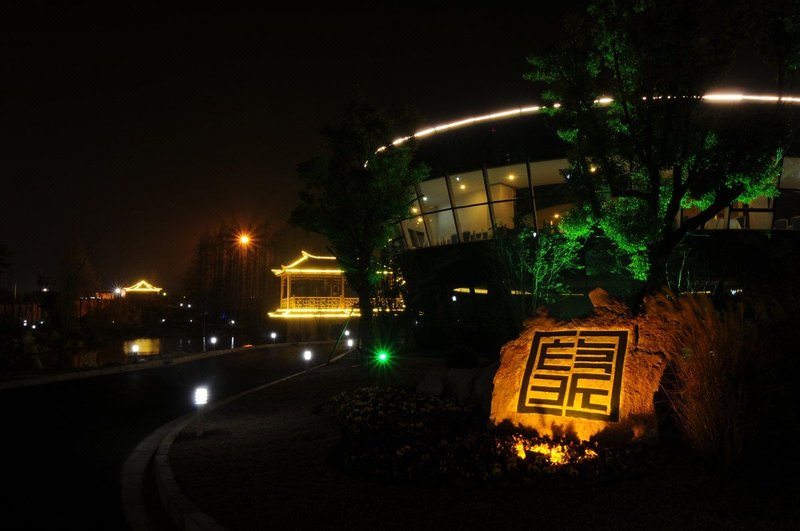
column 535, row 109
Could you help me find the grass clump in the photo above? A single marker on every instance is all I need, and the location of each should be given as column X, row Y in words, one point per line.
column 722, row 381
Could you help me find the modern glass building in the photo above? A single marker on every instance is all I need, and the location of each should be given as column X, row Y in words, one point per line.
column 506, row 168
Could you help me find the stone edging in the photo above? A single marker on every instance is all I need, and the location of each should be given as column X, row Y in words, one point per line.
column 184, row 513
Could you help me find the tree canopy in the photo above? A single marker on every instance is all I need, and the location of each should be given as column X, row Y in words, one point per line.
column 355, row 190
column 649, row 159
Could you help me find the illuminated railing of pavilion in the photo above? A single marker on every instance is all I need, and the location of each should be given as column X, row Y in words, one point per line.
column 322, row 274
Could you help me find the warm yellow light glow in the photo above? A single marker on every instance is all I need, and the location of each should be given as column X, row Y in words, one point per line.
column 317, row 271
column 556, row 216
column 592, row 168
column 305, row 256
column 555, row 453
column 419, row 219
column 414, row 210
column 479, row 291
column 510, row 177
column 604, row 100
column 244, row 239
column 324, row 313
column 142, row 287
column 463, row 187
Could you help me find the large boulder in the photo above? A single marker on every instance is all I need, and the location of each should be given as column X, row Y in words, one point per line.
column 590, row 378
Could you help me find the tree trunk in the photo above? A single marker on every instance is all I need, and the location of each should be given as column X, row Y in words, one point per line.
column 365, row 321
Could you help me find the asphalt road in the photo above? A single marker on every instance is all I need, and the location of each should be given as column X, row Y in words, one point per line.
column 63, row 444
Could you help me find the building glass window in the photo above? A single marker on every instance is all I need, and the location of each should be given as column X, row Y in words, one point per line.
column 474, row 223
column 468, row 188
column 414, row 233
column 509, row 192
column 548, row 172
column 442, row 227
column 434, row 195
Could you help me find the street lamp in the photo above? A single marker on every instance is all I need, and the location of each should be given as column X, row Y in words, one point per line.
column 274, row 336
column 200, row 400
column 307, row 355
column 135, row 351
column 213, row 341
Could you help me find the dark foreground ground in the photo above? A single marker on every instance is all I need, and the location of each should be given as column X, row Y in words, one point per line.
column 269, row 460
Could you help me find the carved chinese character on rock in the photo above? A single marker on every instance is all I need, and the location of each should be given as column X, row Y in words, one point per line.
column 587, row 378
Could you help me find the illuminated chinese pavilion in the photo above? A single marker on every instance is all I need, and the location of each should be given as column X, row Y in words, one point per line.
column 314, row 287
column 141, row 287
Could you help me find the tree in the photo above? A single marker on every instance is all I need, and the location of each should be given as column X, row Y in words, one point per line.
column 229, row 276
column 643, row 145
column 355, row 191
column 5, row 265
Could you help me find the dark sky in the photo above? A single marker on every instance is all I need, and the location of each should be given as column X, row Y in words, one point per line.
column 133, row 132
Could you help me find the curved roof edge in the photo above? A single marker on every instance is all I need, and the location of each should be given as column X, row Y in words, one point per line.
column 729, row 98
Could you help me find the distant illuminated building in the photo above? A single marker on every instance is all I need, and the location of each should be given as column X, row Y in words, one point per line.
column 142, row 286
column 314, row 287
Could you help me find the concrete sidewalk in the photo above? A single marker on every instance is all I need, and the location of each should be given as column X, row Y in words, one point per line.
column 264, row 458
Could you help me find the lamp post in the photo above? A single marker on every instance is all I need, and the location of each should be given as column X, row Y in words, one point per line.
column 213, row 341
column 200, row 400
column 244, row 240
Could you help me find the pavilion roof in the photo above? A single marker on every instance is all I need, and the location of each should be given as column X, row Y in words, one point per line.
column 142, row 286
column 309, row 263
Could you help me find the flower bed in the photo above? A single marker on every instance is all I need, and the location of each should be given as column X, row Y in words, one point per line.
column 398, row 435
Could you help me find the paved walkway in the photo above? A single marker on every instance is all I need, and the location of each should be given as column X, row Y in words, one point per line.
column 263, row 458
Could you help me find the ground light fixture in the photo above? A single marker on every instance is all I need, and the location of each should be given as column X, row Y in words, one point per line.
column 382, row 356
column 200, row 400
column 307, row 355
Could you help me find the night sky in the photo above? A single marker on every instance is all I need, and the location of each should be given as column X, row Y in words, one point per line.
column 133, row 132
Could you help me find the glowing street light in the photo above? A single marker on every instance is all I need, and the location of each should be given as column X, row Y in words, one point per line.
column 350, row 343
column 244, row 239
column 347, row 332
column 135, row 351
column 200, row 400
column 274, row 336
column 213, row 341
column 307, row 355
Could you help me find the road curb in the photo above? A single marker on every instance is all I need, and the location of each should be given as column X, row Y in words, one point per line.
column 183, row 512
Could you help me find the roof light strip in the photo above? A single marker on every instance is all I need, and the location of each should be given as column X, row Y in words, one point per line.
column 604, row 100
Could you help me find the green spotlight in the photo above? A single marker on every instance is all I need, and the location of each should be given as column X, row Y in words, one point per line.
column 382, row 356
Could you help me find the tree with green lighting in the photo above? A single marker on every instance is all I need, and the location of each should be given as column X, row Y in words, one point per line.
column 643, row 146
column 354, row 193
